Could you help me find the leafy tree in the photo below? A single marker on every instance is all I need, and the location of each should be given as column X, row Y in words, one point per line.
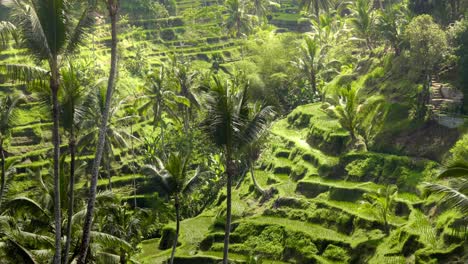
column 8, row 115
column 173, row 175
column 49, row 34
column 460, row 42
column 228, row 125
column 113, row 9
column 427, row 48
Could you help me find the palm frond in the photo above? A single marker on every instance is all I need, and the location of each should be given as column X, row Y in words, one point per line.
column 80, row 32
column 452, row 196
column 110, row 241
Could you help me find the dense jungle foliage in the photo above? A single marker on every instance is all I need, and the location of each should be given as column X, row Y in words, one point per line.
column 233, row 131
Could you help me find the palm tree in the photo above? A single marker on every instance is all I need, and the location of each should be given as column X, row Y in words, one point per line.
column 71, row 113
column 391, row 23
column 312, row 62
column 159, row 99
column 113, row 9
column 49, row 35
column 228, row 125
column 185, row 81
column 173, row 175
column 382, row 204
column 355, row 114
column 315, row 6
column 363, row 21
column 238, row 21
column 7, row 119
column 455, row 188
column 115, row 137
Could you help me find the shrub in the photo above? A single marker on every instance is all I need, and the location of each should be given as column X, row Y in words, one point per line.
column 336, row 253
column 168, row 34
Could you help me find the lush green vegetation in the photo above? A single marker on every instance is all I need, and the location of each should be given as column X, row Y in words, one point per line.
column 233, row 131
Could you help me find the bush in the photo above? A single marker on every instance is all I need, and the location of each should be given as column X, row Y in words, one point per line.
column 168, row 34
column 336, row 253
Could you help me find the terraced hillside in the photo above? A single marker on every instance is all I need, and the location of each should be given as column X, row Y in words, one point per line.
column 196, row 32
column 317, row 206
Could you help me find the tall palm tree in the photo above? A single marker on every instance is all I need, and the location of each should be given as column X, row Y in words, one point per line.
column 312, row 62
column 160, row 99
column 47, row 30
column 115, row 136
column 113, row 9
column 316, row 6
column 362, row 21
column 229, row 127
column 173, row 175
column 185, row 80
column 238, row 21
column 7, row 119
column 71, row 113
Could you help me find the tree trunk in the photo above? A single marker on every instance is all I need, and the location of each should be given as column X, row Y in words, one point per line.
column 2, row 187
column 71, row 194
column 108, row 168
column 317, row 11
column 257, row 186
column 230, row 170
column 54, row 85
column 112, row 6
column 123, row 257
column 174, row 246
column 313, row 80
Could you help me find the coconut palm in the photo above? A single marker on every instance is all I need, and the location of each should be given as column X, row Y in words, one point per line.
column 316, row 6
column 116, row 136
column 47, row 30
column 184, row 81
column 113, row 9
column 312, row 61
column 228, row 125
column 173, row 175
column 238, row 21
column 7, row 118
column 356, row 115
column 455, row 188
column 391, row 23
column 71, row 103
column 362, row 20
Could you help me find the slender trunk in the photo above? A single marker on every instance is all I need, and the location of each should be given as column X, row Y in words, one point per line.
column 54, row 84
column 108, row 168
column 2, row 188
column 71, row 193
column 112, row 6
column 313, row 79
column 123, row 257
column 174, row 246
column 257, row 186
column 230, row 170
column 133, row 168
column 317, row 11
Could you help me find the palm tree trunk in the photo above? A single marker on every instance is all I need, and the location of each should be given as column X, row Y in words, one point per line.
column 123, row 257
column 2, row 187
column 108, row 168
column 112, row 6
column 257, row 186
column 54, row 85
column 313, row 80
column 174, row 246
column 227, row 232
column 317, row 11
column 71, row 194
